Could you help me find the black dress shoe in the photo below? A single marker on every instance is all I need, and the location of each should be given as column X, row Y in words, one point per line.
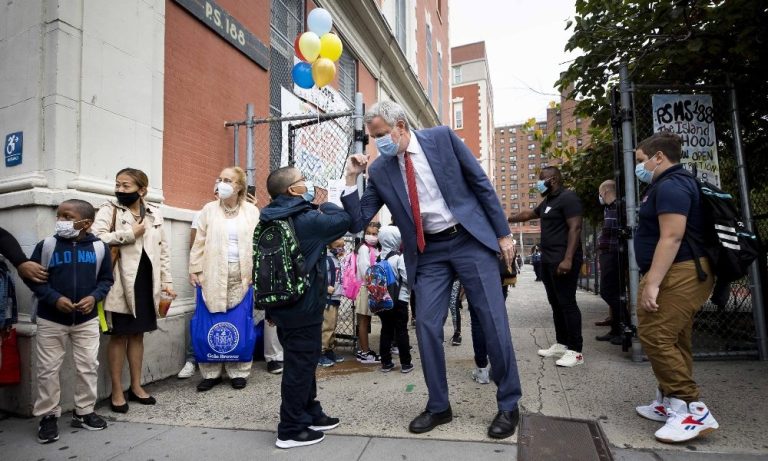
column 504, row 424
column 142, row 400
column 208, row 384
column 118, row 408
column 238, row 383
column 427, row 421
column 605, row 337
column 617, row 340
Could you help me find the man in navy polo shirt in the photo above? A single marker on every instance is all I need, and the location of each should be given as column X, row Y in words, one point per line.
column 670, row 291
column 561, row 257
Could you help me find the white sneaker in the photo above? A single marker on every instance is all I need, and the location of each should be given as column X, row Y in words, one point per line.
column 555, row 350
column 570, row 359
column 656, row 410
column 686, row 422
column 187, row 372
column 481, row 375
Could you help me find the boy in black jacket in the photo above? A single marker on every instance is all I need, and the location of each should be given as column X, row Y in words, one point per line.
column 299, row 326
column 79, row 276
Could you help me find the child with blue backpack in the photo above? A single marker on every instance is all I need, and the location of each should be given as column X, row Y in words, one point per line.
column 79, row 276
column 394, row 322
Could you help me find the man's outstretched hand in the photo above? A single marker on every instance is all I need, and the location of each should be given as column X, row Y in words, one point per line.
column 356, row 164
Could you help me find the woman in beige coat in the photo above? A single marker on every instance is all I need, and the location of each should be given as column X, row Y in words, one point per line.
column 221, row 262
column 142, row 271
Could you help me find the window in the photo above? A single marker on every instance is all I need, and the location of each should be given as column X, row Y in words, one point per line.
column 513, row 196
column 542, row 126
column 513, row 187
column 559, row 134
column 531, row 205
column 515, row 206
column 579, row 142
column 544, row 164
column 530, row 137
column 513, row 168
column 501, row 131
column 532, row 195
column 532, row 176
column 513, row 177
column 503, row 168
column 458, row 115
column 503, row 196
column 558, row 123
column 503, row 187
column 503, row 178
column 578, row 120
column 531, row 156
column 501, row 150
column 531, row 185
column 512, row 140
column 428, row 44
column 514, row 130
column 559, row 144
column 514, row 149
column 513, row 158
column 457, row 78
column 501, row 140
column 400, row 24
column 531, row 166
column 347, row 77
column 531, row 146
column 440, row 84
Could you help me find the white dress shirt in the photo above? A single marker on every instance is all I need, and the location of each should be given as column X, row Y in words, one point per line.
column 435, row 214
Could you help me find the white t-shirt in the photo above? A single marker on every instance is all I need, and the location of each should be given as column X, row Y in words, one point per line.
column 233, row 253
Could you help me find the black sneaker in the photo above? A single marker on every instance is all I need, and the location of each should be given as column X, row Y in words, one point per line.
column 456, row 341
column 48, row 431
column 308, row 437
column 406, row 368
column 91, row 421
column 324, row 423
column 275, row 367
column 387, row 367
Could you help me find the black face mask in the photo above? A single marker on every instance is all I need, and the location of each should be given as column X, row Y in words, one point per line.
column 127, row 198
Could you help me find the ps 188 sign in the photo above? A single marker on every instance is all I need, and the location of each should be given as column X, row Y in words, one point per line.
column 692, row 117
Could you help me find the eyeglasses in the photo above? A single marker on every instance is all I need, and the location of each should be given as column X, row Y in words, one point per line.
column 298, row 181
column 224, row 180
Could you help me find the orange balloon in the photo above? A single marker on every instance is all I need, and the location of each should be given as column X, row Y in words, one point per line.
column 323, row 71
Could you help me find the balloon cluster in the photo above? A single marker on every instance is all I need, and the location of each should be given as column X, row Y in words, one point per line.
column 318, row 50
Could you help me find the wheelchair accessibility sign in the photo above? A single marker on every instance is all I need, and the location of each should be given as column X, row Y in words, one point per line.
column 14, row 143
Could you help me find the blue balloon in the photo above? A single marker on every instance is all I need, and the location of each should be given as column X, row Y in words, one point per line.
column 302, row 75
column 319, row 21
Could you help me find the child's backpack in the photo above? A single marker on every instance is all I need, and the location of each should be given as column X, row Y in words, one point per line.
column 730, row 247
column 350, row 282
column 383, row 285
column 279, row 272
column 8, row 305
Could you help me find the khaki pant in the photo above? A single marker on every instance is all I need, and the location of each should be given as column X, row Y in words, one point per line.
column 234, row 296
column 52, row 339
column 273, row 350
column 330, row 316
column 666, row 333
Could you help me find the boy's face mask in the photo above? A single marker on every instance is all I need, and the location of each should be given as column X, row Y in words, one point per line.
column 67, row 229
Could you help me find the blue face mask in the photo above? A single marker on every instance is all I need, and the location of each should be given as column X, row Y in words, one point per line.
column 542, row 186
column 309, row 195
column 644, row 175
column 386, row 146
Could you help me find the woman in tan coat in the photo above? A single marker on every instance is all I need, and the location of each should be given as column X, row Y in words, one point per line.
column 142, row 271
column 221, row 262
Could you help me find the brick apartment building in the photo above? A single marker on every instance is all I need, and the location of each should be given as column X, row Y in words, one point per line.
column 472, row 102
column 98, row 86
column 519, row 160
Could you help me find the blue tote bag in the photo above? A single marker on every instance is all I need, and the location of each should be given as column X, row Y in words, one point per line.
column 224, row 337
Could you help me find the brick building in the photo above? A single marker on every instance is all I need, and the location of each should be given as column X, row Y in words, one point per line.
column 472, row 102
column 97, row 86
column 519, row 160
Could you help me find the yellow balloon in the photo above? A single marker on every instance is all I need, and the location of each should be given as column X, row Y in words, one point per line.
column 330, row 46
column 309, row 45
column 323, row 72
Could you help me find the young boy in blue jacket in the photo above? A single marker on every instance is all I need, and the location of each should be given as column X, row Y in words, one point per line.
column 79, row 276
column 302, row 419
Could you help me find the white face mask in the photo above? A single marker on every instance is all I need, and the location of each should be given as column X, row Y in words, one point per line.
column 66, row 229
column 225, row 190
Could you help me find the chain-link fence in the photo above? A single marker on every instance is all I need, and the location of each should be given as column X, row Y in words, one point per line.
column 589, row 274
column 702, row 117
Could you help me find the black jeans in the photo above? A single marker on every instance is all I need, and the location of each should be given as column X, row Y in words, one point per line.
column 478, row 338
column 561, row 293
column 394, row 326
column 610, row 289
column 537, row 270
column 298, row 390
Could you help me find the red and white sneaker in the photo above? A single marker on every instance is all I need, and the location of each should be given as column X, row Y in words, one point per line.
column 656, row 410
column 686, row 422
column 570, row 359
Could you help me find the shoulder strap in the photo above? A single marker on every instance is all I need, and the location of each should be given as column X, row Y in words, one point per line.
column 114, row 219
column 98, row 248
column 46, row 255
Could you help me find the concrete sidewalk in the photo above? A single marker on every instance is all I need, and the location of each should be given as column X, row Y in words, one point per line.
column 375, row 408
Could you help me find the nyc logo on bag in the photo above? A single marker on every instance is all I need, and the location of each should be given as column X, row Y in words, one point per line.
column 225, row 336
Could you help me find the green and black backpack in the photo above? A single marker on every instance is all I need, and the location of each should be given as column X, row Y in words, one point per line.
column 279, row 273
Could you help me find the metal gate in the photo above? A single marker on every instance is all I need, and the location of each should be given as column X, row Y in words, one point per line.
column 317, row 143
column 736, row 329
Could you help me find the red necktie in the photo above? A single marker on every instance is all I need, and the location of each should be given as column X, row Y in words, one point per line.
column 413, row 195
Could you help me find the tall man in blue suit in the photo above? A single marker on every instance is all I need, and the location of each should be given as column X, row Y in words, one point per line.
column 451, row 223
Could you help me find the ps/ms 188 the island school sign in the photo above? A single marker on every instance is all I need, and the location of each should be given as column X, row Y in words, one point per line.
column 229, row 28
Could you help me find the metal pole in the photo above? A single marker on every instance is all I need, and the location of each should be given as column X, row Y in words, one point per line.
column 249, row 168
column 756, row 286
column 358, row 118
column 595, row 258
column 237, row 141
column 630, row 196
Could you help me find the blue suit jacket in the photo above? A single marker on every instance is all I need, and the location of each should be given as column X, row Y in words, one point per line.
column 465, row 187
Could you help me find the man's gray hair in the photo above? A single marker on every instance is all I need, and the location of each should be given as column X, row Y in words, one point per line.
column 389, row 111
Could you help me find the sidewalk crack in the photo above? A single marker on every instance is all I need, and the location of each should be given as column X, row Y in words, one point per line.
column 540, row 376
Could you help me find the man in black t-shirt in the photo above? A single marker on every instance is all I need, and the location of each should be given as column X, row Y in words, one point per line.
column 561, row 257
